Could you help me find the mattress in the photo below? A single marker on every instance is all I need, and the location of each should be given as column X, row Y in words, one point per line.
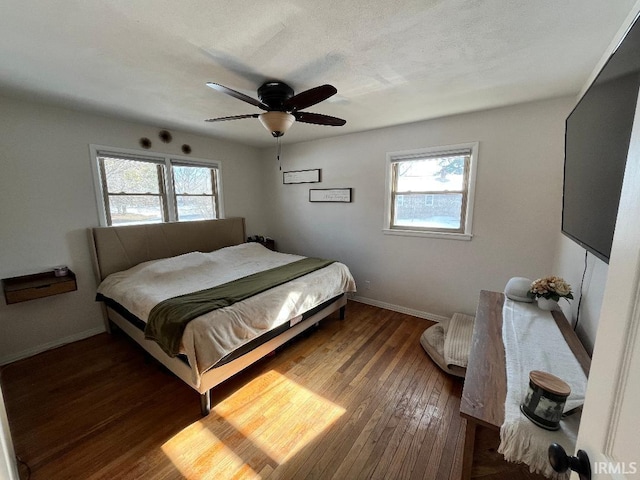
column 210, row 338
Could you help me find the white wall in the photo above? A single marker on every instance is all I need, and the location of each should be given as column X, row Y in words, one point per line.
column 47, row 202
column 570, row 265
column 515, row 223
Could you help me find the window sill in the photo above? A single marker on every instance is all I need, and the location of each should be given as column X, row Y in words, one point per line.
column 418, row 233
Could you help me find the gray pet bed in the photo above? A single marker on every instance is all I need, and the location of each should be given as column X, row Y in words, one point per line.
column 434, row 338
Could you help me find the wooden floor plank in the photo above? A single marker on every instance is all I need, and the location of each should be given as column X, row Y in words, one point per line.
column 381, row 408
column 333, row 443
column 446, row 421
column 381, row 442
column 356, row 398
column 394, row 461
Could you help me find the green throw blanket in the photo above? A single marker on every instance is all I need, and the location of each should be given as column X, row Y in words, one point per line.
column 169, row 318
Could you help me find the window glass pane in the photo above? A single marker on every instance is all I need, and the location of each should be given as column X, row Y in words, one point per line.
column 428, row 211
column 130, row 176
column 439, row 174
column 195, row 208
column 128, row 209
column 193, row 180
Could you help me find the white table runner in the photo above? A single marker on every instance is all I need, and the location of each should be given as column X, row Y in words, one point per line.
column 533, row 341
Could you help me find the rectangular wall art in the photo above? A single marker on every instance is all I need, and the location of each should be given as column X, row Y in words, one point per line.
column 342, row 195
column 301, row 176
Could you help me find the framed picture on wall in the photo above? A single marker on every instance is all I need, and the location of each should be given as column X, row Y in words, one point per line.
column 340, row 195
column 301, row 176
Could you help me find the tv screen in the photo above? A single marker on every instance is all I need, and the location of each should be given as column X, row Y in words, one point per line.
column 597, row 136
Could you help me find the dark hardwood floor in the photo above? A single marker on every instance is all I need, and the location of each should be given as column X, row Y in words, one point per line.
column 355, row 399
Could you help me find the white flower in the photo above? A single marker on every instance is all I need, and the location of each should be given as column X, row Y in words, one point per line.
column 550, row 287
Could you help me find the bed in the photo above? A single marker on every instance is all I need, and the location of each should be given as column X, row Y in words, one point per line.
column 144, row 271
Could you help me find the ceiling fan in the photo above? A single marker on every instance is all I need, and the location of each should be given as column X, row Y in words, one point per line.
column 281, row 106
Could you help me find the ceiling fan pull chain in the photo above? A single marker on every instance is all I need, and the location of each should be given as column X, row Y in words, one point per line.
column 278, row 149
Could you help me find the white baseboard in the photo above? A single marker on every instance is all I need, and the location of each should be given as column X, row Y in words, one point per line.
column 397, row 308
column 48, row 346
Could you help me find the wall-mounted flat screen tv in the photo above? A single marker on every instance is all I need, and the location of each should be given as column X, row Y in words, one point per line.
column 597, row 136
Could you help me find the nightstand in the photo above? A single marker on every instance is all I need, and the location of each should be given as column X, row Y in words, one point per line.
column 38, row 285
column 270, row 243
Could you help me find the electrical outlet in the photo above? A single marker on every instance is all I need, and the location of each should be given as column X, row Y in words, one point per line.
column 367, row 285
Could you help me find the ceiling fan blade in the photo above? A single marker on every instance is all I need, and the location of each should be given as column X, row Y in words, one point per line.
column 318, row 119
column 234, row 117
column 310, row 97
column 238, row 95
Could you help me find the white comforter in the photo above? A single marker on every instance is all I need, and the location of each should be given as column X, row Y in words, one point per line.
column 210, row 337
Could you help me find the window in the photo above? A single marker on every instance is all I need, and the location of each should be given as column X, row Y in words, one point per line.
column 195, row 190
column 134, row 189
column 430, row 191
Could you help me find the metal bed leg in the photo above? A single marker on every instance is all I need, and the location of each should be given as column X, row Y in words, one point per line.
column 205, row 403
column 342, row 310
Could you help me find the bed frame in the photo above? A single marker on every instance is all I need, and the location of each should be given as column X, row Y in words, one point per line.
column 119, row 248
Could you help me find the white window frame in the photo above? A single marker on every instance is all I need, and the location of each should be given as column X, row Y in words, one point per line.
column 394, row 157
column 159, row 158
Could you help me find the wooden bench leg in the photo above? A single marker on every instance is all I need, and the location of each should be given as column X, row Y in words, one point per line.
column 469, row 445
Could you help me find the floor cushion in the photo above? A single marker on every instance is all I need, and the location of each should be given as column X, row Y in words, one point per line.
column 433, row 341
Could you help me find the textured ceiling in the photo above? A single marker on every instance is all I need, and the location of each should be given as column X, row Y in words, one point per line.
column 392, row 62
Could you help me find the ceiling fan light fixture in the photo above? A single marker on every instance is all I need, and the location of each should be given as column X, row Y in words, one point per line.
column 282, row 107
column 277, row 122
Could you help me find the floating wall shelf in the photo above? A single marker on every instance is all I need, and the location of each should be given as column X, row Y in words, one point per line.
column 38, row 285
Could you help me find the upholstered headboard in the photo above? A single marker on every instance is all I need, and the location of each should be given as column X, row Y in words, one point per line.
column 119, row 248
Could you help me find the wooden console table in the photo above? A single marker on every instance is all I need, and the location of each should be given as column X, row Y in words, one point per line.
column 485, row 390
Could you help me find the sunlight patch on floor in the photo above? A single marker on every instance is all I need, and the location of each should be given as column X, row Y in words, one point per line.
column 258, row 427
column 199, row 454
column 282, row 420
